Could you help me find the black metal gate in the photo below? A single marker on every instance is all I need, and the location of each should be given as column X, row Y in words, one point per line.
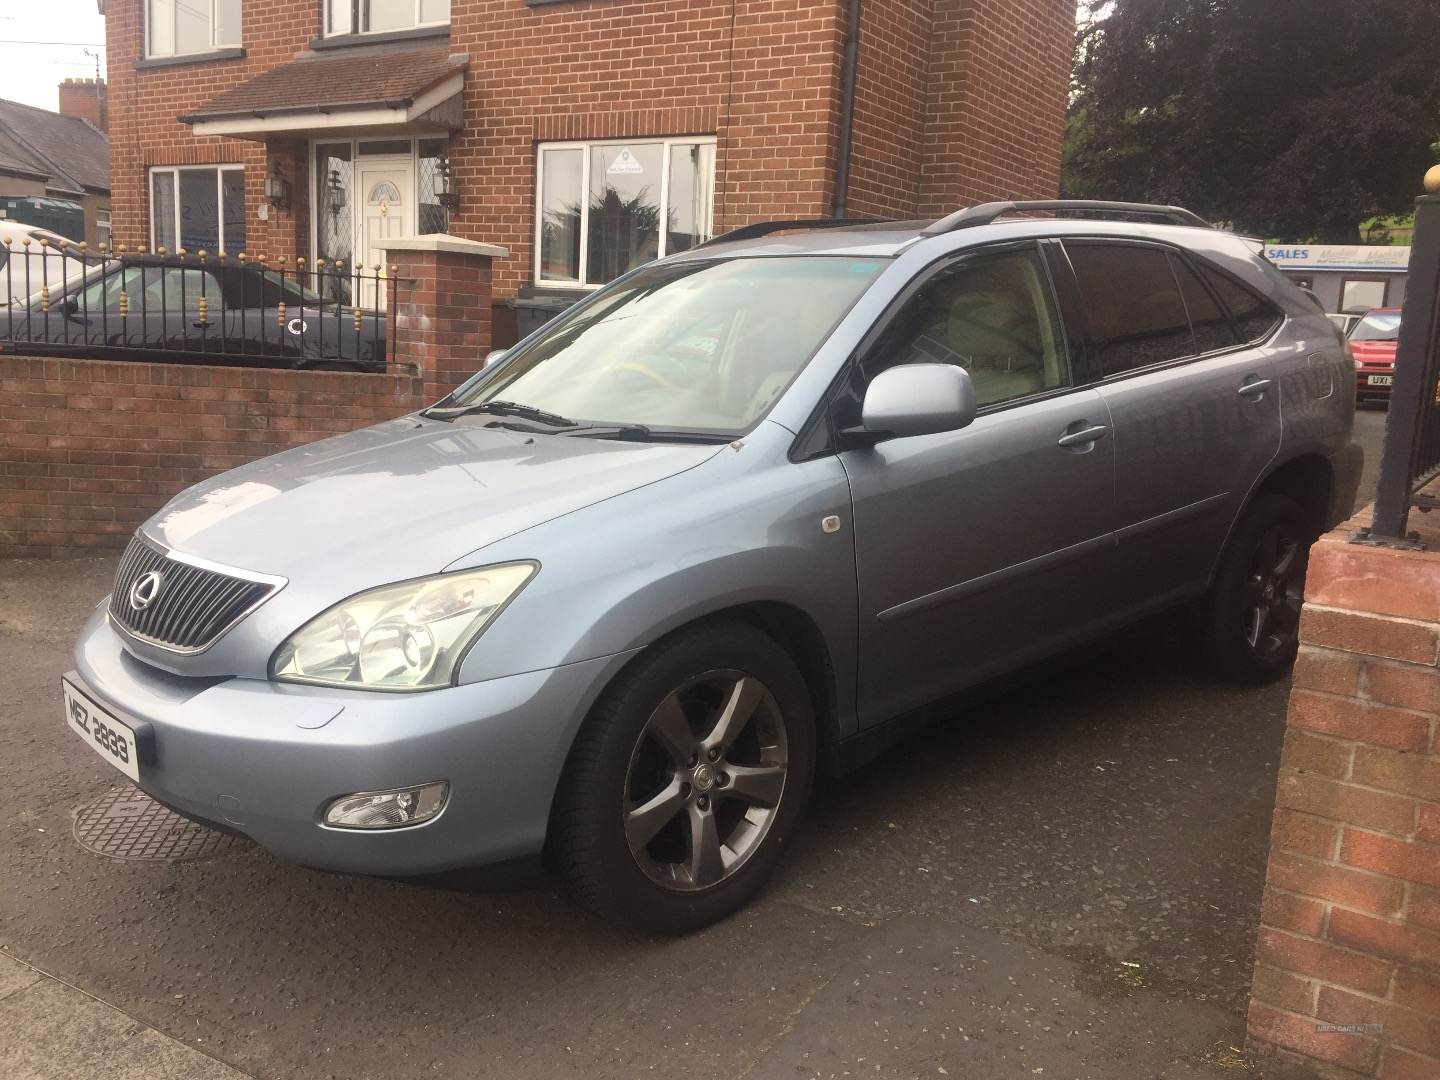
column 195, row 308
column 1410, row 459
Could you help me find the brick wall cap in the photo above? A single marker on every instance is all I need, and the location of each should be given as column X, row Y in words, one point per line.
column 444, row 242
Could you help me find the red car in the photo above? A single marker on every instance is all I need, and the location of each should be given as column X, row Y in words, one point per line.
column 1372, row 343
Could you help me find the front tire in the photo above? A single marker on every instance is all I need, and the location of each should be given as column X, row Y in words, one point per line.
column 687, row 780
column 1253, row 615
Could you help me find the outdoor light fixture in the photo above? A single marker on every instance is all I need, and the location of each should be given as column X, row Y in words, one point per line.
column 277, row 188
column 447, row 196
column 336, row 192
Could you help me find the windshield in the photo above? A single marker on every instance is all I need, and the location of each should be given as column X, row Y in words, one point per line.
column 1377, row 326
column 697, row 345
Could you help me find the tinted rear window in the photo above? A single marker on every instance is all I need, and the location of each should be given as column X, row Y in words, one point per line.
column 1254, row 316
column 1208, row 319
column 1136, row 314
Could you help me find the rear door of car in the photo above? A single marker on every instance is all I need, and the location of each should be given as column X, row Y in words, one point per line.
column 1194, row 399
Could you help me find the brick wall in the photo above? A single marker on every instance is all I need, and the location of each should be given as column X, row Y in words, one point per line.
column 958, row 100
column 89, row 449
column 888, row 131
column 1348, row 965
column 997, row 76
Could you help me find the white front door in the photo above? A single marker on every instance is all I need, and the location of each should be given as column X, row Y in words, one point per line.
column 385, row 187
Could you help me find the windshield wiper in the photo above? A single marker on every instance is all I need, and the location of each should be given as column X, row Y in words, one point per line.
column 499, row 408
column 642, row 433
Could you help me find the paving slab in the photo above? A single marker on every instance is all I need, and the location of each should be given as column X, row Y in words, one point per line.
column 928, row 998
column 49, row 1031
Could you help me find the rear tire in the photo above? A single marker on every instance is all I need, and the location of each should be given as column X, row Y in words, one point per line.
column 1252, row 617
column 687, row 780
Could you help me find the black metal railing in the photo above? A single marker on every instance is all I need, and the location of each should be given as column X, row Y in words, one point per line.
column 1410, row 458
column 196, row 307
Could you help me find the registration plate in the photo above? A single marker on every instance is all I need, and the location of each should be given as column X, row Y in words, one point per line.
column 114, row 740
column 1380, row 380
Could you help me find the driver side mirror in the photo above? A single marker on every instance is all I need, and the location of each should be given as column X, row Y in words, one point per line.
column 915, row 399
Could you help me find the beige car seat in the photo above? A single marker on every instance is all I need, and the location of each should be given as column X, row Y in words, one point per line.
column 997, row 338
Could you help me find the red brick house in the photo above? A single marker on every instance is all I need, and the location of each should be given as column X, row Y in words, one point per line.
column 584, row 136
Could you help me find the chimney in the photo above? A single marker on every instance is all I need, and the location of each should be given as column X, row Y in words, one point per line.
column 84, row 99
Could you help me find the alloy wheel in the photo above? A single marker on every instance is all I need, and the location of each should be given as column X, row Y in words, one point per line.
column 1273, row 592
column 705, row 780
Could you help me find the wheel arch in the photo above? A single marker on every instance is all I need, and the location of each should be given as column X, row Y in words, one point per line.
column 793, row 629
column 1309, row 479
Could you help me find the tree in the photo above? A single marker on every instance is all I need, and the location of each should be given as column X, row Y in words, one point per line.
column 1294, row 119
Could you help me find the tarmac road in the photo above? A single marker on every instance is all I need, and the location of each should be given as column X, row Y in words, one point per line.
column 1064, row 881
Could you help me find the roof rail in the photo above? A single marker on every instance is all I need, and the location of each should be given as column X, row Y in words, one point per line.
column 765, row 228
column 985, row 213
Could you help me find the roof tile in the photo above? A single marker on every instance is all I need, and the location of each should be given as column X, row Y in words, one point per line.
column 74, row 154
column 329, row 82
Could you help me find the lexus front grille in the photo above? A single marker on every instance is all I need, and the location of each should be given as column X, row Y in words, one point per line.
column 179, row 604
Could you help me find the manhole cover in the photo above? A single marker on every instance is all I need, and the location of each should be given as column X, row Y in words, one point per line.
column 125, row 823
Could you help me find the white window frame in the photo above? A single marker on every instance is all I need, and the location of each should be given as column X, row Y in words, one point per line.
column 175, row 170
column 585, row 145
column 150, row 51
column 104, row 224
column 355, row 6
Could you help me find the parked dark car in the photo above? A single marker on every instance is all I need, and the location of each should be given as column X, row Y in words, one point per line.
column 212, row 311
column 1372, row 343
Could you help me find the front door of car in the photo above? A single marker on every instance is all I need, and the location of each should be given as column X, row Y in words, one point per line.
column 979, row 549
column 178, row 309
column 1196, row 410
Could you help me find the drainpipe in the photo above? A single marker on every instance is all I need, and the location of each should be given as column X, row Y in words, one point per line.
column 847, row 112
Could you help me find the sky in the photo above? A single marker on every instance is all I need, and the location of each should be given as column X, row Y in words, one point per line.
column 45, row 41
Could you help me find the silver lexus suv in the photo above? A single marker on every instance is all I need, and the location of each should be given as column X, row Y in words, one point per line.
column 740, row 516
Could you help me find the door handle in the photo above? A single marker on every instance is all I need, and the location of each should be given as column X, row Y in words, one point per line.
column 1084, row 436
column 1255, row 387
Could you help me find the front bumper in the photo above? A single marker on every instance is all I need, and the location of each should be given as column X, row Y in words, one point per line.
column 264, row 758
column 1365, row 392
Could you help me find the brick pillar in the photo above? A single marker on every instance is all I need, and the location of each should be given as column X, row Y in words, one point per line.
column 442, row 307
column 1347, row 971
column 287, row 232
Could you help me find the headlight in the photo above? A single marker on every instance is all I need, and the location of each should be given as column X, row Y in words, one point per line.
column 408, row 636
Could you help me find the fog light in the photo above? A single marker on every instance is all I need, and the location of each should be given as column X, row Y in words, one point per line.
column 387, row 809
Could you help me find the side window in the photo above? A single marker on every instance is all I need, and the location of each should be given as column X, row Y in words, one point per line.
column 1207, row 318
column 104, row 294
column 993, row 316
column 183, row 288
column 1133, row 304
column 251, row 287
column 1253, row 315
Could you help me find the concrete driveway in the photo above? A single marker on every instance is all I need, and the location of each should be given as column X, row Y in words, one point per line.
column 1063, row 882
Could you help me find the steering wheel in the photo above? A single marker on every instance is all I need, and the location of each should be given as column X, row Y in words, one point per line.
column 636, row 367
